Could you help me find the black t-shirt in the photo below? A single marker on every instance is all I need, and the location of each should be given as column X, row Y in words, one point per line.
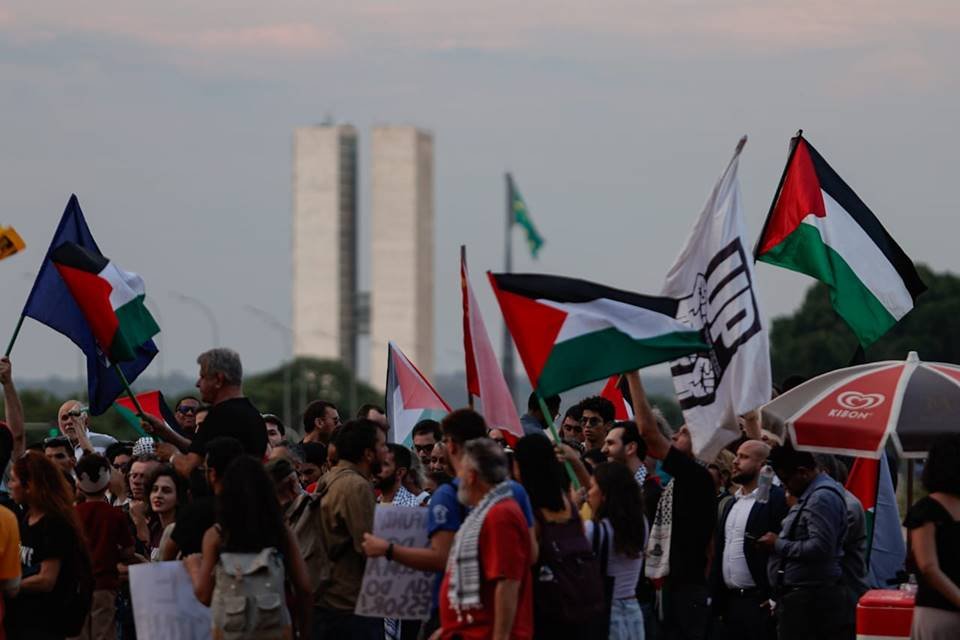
column 47, row 539
column 192, row 522
column 947, row 537
column 694, row 517
column 236, row 418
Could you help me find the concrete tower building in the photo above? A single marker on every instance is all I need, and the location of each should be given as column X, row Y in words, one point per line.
column 325, row 242
column 401, row 232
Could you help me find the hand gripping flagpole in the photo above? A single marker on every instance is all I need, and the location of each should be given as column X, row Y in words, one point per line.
column 556, row 438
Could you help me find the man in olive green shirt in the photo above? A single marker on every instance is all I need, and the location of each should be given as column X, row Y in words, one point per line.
column 347, row 505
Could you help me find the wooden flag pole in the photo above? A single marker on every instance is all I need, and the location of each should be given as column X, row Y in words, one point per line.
column 13, row 338
column 556, row 439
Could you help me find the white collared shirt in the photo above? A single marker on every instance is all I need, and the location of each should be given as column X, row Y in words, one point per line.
column 736, row 572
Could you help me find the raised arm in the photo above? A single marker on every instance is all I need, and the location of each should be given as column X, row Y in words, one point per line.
column 157, row 427
column 658, row 445
column 14, row 409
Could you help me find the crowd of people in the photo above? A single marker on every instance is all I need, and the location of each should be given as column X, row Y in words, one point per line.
column 615, row 531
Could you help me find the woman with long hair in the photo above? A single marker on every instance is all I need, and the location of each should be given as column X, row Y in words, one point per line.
column 559, row 532
column 246, row 559
column 166, row 493
column 53, row 553
column 617, row 506
column 934, row 526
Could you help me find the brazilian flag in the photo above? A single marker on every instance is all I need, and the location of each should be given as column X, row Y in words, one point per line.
column 521, row 216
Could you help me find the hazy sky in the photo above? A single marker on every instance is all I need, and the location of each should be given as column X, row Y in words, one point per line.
column 172, row 122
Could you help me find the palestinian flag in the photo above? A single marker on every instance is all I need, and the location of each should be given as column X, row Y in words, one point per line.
column 617, row 391
column 871, row 482
column 151, row 402
column 818, row 226
column 111, row 300
column 410, row 397
column 570, row 332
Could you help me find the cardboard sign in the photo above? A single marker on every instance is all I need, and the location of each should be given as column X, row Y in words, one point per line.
column 164, row 606
column 389, row 589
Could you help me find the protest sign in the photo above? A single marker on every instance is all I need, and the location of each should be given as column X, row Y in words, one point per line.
column 389, row 589
column 164, row 606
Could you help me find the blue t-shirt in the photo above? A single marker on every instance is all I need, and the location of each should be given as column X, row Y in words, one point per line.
column 447, row 514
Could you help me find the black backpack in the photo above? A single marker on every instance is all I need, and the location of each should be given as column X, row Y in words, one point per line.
column 568, row 585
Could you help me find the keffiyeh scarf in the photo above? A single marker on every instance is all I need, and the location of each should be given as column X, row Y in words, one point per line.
column 463, row 564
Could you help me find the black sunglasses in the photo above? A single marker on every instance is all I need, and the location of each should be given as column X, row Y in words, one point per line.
column 187, row 409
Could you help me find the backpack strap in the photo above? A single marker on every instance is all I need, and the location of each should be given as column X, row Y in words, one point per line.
column 781, row 572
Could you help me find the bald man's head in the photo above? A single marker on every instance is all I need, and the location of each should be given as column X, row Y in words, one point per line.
column 751, row 456
column 72, row 416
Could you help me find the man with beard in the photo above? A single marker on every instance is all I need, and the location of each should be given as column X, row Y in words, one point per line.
column 396, row 465
column 623, row 444
column 738, row 577
column 346, row 513
column 487, row 590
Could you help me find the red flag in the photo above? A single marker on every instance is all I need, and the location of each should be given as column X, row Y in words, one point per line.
column 616, row 391
column 487, row 378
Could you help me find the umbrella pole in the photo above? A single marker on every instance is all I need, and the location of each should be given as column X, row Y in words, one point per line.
column 909, row 483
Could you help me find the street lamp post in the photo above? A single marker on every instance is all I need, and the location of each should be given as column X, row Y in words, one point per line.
column 205, row 310
column 274, row 323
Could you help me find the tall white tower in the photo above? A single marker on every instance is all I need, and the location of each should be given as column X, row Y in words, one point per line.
column 325, row 242
column 401, row 232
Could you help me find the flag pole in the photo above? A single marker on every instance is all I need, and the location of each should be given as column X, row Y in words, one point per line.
column 466, row 321
column 13, row 338
column 506, row 358
column 794, row 143
column 556, row 439
column 126, row 387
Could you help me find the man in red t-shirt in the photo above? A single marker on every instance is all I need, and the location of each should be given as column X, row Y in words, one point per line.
column 486, row 592
column 109, row 542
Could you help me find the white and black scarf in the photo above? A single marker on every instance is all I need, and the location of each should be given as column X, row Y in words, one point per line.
column 658, row 544
column 463, row 564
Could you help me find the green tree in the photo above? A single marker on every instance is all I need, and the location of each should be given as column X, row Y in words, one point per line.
column 815, row 339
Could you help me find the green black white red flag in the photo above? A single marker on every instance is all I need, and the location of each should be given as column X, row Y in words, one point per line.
column 570, row 332
column 818, row 226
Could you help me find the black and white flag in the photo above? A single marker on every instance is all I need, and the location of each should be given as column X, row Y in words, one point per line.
column 713, row 278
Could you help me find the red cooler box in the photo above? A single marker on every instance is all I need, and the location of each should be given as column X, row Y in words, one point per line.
column 884, row 614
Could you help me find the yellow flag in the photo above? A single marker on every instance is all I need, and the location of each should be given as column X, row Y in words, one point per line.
column 10, row 242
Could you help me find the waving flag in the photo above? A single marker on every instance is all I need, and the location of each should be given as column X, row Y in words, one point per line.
column 410, row 396
column 521, row 217
column 713, row 276
column 818, row 226
column 617, row 391
column 10, row 242
column 53, row 301
column 570, row 332
column 484, row 377
column 151, row 402
column 871, row 482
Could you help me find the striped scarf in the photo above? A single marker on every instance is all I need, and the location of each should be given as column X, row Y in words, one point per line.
column 463, row 564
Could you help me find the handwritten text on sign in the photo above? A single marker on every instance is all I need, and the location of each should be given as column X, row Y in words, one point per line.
column 164, row 606
column 389, row 589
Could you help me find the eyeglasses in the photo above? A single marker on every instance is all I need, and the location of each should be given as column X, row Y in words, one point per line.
column 187, row 409
column 74, row 413
column 593, row 421
column 423, row 448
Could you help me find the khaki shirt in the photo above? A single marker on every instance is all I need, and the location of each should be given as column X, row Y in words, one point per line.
column 347, row 505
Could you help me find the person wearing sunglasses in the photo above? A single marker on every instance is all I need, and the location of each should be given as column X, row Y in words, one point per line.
column 596, row 417
column 74, row 422
column 186, row 414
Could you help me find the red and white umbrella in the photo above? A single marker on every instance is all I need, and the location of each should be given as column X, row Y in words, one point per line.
column 853, row 411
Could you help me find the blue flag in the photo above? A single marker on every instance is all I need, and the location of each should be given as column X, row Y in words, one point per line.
column 51, row 303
